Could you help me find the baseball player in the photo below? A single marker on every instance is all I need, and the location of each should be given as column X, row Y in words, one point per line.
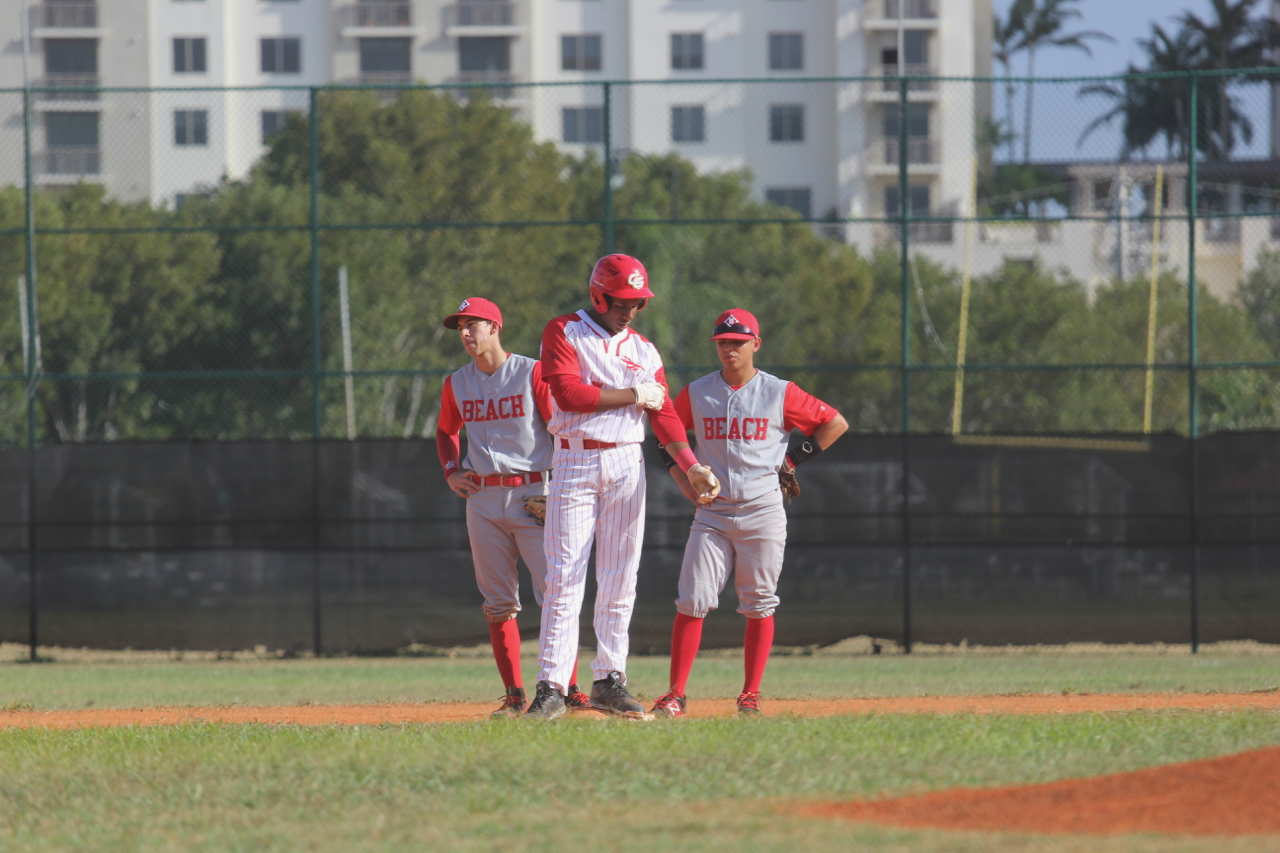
column 742, row 418
column 604, row 379
column 502, row 401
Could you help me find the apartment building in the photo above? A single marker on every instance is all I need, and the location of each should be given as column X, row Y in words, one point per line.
column 820, row 145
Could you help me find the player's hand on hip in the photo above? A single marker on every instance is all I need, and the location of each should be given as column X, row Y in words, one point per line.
column 704, row 483
column 650, row 395
column 463, row 483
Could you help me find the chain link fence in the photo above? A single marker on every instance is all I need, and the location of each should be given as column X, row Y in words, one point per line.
column 221, row 366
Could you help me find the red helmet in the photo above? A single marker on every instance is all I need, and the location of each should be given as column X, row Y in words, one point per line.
column 621, row 276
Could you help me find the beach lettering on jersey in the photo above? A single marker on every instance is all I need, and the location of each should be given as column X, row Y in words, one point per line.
column 743, row 437
column 493, row 410
column 742, row 429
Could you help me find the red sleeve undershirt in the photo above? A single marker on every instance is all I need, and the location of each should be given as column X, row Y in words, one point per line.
column 448, row 426
column 541, row 392
column 803, row 411
column 683, row 410
column 562, row 372
column 666, row 423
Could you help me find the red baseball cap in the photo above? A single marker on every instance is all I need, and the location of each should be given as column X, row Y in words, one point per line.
column 474, row 307
column 736, row 324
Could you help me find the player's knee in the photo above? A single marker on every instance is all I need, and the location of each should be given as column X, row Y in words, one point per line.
column 758, row 608
column 497, row 615
column 693, row 610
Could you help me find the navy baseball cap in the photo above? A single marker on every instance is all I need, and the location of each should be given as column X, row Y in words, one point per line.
column 474, row 307
column 736, row 324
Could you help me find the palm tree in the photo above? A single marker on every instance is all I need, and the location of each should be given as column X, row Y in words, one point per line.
column 1007, row 39
column 1152, row 107
column 1042, row 27
column 1233, row 38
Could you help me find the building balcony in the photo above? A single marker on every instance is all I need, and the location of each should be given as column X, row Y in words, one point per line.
column 915, row 9
column 379, row 19
column 481, row 18
column 68, row 87
column 889, row 88
column 494, row 81
column 69, row 160
column 384, row 78
column 65, row 14
column 917, row 232
column 916, row 14
column 886, row 150
column 384, row 13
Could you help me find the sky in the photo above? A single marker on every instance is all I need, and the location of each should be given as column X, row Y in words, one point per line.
column 1060, row 114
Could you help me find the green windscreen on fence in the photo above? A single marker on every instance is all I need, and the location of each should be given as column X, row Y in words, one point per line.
column 225, row 545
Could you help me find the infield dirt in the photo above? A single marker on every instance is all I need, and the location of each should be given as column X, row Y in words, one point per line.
column 461, row 712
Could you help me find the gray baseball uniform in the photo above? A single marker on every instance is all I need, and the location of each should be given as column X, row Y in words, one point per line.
column 509, row 448
column 743, row 438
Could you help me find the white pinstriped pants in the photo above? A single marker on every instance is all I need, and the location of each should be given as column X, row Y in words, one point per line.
column 594, row 495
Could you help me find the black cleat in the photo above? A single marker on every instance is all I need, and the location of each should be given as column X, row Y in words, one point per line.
column 576, row 699
column 749, row 705
column 610, row 695
column 547, row 704
column 512, row 703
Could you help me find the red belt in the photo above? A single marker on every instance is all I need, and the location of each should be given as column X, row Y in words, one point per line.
column 509, row 480
column 588, row 444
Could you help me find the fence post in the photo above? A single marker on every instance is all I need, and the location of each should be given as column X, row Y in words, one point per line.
column 607, row 120
column 315, row 374
column 1193, row 379
column 904, row 199
column 33, row 572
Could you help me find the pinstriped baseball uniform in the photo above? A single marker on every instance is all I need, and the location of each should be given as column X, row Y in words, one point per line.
column 742, row 435
column 598, row 494
column 505, row 418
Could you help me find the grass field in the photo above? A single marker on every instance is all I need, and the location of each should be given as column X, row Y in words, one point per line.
column 689, row 785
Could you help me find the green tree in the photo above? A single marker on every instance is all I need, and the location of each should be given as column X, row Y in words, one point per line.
column 404, row 187
column 108, row 303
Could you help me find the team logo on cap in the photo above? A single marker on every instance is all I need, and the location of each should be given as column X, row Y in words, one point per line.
column 466, row 303
column 731, row 320
column 636, row 280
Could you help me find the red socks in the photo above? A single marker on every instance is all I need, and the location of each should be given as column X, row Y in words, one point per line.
column 505, row 637
column 686, row 636
column 756, row 647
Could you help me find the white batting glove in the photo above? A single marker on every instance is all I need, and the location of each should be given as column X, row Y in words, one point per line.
column 705, row 485
column 650, row 395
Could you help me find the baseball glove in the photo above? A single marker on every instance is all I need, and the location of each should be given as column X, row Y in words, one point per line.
column 788, row 483
column 536, row 506
column 705, row 485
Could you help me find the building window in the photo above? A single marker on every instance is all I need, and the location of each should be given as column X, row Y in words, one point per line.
column 282, row 56
column 273, row 121
column 491, row 54
column 796, row 198
column 188, row 56
column 786, row 123
column 786, row 51
column 70, row 56
column 580, row 53
column 190, row 127
column 686, row 50
column 583, row 124
column 688, row 124
column 917, row 198
column 384, row 56
column 71, row 142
